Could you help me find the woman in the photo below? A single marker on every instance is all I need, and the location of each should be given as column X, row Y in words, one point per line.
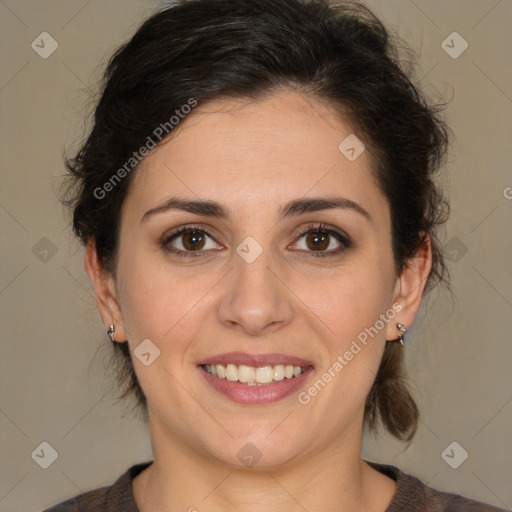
column 259, row 211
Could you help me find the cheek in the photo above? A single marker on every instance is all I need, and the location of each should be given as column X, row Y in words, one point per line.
column 350, row 304
column 161, row 304
column 350, row 299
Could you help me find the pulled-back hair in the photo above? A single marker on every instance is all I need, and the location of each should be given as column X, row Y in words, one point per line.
column 337, row 52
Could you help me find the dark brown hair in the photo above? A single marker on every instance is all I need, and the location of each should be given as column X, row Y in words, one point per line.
column 338, row 52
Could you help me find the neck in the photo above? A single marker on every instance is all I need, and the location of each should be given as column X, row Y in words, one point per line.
column 334, row 479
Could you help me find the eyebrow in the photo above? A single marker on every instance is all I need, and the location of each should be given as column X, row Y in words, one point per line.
column 293, row 208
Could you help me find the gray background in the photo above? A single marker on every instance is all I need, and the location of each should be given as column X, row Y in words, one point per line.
column 53, row 365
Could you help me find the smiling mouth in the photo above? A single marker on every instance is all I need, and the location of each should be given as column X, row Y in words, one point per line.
column 254, row 376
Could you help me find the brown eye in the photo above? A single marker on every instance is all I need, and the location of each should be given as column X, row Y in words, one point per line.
column 187, row 241
column 193, row 241
column 317, row 241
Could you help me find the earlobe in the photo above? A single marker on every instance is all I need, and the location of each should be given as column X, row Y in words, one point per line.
column 104, row 291
column 410, row 285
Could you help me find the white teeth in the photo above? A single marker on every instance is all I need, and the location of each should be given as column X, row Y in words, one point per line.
column 253, row 376
column 264, row 374
column 231, row 372
column 246, row 373
column 279, row 372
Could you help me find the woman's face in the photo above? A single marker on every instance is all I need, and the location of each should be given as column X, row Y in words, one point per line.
column 254, row 292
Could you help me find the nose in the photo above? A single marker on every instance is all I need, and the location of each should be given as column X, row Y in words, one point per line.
column 256, row 299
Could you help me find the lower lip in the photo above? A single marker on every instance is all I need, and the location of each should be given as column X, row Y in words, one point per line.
column 245, row 394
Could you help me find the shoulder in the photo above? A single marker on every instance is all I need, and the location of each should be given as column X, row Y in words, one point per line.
column 412, row 495
column 111, row 498
column 87, row 501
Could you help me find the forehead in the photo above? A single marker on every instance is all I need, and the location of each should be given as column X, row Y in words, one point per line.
column 249, row 154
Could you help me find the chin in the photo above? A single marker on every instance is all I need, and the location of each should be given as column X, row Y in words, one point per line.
column 258, row 452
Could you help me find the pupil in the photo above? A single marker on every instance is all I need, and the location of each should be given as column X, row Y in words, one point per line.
column 319, row 240
column 193, row 240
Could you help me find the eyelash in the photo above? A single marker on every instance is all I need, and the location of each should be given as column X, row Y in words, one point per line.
column 317, row 228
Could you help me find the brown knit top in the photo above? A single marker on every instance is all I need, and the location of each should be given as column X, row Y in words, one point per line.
column 411, row 496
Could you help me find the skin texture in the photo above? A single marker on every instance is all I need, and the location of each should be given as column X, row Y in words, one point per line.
column 252, row 157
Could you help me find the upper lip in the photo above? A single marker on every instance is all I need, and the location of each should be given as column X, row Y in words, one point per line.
column 256, row 360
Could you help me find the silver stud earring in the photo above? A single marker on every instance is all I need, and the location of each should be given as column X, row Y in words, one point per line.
column 111, row 332
column 403, row 330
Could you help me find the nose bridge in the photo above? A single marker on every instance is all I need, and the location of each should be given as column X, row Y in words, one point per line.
column 255, row 298
column 252, row 275
column 253, row 269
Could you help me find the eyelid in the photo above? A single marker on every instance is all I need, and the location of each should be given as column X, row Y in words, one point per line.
column 322, row 227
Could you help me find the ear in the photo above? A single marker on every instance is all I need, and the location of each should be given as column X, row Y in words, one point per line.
column 409, row 288
column 105, row 292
